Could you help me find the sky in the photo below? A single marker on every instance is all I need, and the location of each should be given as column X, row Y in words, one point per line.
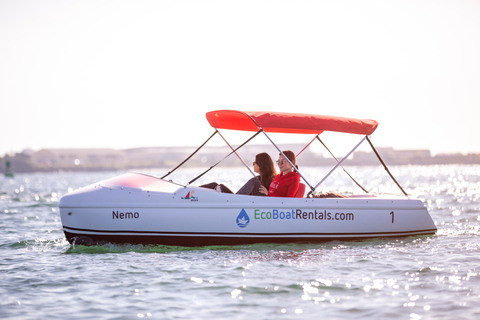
column 125, row 74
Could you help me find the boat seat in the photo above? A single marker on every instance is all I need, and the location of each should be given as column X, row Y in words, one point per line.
column 301, row 190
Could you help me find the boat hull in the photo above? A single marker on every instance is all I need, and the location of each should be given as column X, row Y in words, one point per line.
column 135, row 208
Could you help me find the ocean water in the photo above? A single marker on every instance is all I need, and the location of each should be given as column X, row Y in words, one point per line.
column 42, row 276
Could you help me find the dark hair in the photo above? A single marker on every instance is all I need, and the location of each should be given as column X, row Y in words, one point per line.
column 267, row 169
column 291, row 156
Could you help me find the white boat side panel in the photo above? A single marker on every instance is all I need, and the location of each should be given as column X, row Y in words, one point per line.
column 150, row 206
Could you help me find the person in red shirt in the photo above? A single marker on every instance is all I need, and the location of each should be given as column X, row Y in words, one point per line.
column 287, row 181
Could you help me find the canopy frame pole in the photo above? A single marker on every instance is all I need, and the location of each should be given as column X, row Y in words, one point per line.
column 340, row 162
column 188, row 158
column 238, row 156
column 385, row 166
column 316, row 137
column 195, row 179
column 331, row 153
column 281, row 152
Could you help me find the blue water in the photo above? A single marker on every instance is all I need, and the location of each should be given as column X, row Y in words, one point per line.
column 423, row 277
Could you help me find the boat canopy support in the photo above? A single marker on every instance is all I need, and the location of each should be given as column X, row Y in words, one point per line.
column 188, row 158
column 385, row 166
column 234, row 151
column 317, row 137
column 344, row 158
column 339, row 163
column 358, row 184
column 238, row 156
column 288, row 123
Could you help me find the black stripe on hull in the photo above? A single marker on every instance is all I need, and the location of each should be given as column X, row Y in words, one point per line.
column 196, row 240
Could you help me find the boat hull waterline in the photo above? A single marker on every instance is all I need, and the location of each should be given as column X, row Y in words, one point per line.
column 138, row 208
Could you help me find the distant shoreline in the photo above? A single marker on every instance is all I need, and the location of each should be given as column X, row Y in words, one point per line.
column 54, row 160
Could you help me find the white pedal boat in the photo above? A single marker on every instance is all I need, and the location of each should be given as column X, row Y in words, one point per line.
column 137, row 208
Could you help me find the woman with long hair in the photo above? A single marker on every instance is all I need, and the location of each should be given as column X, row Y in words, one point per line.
column 258, row 185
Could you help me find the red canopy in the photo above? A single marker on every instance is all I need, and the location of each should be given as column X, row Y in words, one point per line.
column 284, row 122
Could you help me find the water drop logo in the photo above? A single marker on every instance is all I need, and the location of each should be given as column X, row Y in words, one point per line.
column 242, row 219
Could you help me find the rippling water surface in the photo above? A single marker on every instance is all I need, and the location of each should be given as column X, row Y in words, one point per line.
column 422, row 277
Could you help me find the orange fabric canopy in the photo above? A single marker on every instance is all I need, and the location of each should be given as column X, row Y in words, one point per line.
column 283, row 122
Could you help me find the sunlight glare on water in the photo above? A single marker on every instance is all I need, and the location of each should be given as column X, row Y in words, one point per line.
column 421, row 277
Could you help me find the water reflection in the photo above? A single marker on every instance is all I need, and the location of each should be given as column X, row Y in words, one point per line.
column 415, row 277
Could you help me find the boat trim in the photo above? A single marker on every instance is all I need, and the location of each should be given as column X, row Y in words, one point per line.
column 248, row 235
column 201, row 239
